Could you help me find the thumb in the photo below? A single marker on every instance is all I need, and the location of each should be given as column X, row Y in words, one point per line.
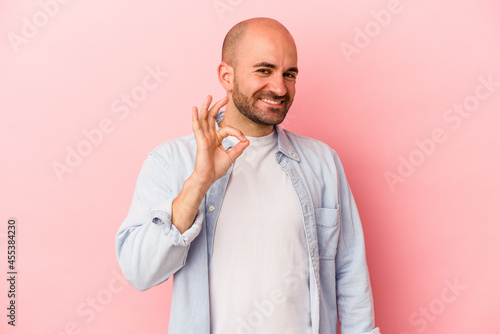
column 238, row 149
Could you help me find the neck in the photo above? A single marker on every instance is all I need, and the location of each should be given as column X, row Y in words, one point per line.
column 237, row 120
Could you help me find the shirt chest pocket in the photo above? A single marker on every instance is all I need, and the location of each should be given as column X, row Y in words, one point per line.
column 328, row 230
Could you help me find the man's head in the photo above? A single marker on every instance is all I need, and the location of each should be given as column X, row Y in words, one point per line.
column 258, row 70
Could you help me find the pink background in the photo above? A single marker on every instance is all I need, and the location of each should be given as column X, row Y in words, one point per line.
column 432, row 235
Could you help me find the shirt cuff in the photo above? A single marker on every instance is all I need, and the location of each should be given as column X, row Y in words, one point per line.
column 162, row 215
column 375, row 331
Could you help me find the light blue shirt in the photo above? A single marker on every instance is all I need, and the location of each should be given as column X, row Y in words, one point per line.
column 150, row 249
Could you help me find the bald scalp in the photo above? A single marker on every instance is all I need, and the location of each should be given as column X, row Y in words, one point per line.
column 237, row 34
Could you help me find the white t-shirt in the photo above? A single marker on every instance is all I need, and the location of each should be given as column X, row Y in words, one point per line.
column 259, row 272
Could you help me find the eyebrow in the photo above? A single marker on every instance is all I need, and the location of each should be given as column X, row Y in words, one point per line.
column 269, row 65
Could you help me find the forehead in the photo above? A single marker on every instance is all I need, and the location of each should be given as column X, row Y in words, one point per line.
column 267, row 45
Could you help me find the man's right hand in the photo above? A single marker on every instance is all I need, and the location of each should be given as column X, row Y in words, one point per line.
column 212, row 162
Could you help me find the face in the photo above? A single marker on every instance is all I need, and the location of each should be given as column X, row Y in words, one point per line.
column 264, row 77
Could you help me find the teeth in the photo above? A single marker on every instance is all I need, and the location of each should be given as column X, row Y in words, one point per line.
column 271, row 101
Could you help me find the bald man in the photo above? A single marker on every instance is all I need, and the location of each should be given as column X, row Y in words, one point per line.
column 257, row 224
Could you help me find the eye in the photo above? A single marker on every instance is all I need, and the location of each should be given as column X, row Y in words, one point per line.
column 263, row 70
column 290, row 75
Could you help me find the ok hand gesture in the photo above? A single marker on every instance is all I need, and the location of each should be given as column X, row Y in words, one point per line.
column 212, row 160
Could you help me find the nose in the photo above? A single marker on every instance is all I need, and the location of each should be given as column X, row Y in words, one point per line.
column 277, row 85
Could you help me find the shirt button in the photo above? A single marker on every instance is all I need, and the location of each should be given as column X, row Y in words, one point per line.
column 294, row 155
column 211, row 208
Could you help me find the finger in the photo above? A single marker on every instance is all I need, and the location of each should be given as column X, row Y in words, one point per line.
column 237, row 150
column 194, row 114
column 214, row 111
column 197, row 130
column 230, row 131
column 216, row 107
column 203, row 114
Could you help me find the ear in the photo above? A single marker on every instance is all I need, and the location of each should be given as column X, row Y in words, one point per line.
column 226, row 76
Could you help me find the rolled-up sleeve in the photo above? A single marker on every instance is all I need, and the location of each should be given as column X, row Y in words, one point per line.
column 149, row 247
column 162, row 215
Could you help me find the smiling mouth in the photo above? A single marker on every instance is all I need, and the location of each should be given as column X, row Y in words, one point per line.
column 272, row 101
